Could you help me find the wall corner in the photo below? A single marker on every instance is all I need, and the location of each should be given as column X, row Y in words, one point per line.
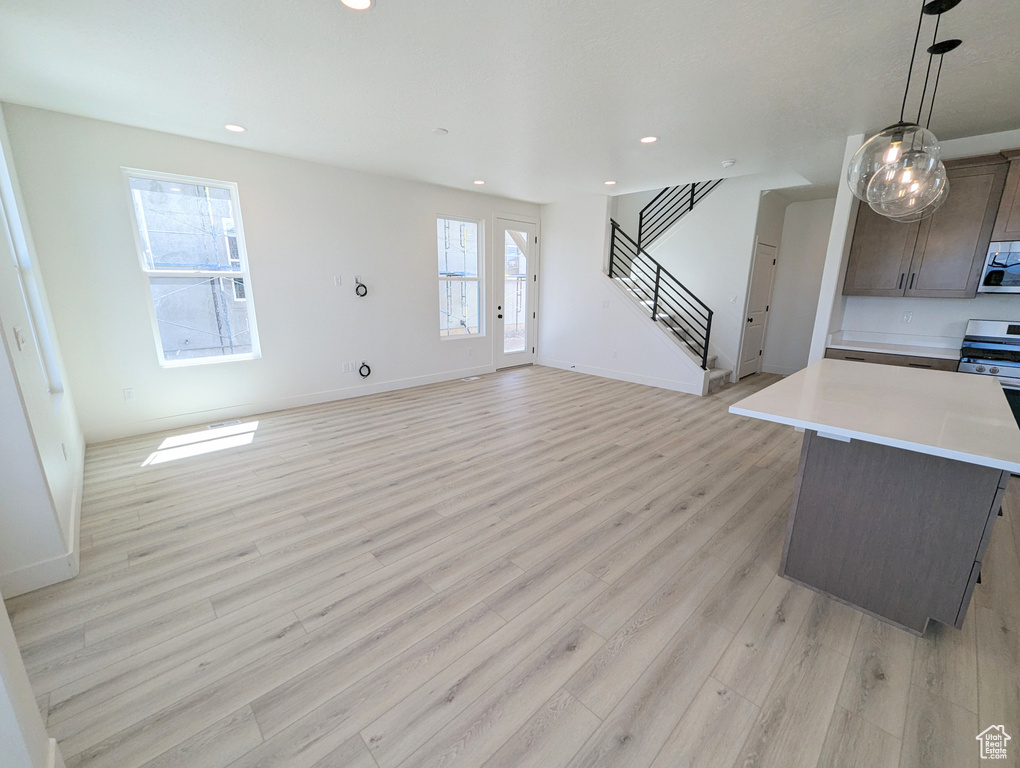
column 831, row 304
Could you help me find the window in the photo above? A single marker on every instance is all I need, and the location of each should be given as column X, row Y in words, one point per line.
column 192, row 250
column 459, row 278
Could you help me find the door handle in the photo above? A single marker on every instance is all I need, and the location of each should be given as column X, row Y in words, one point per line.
column 500, row 316
column 912, row 276
column 902, row 275
column 750, row 320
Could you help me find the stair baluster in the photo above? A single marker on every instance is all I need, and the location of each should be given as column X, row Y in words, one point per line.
column 668, row 207
column 685, row 315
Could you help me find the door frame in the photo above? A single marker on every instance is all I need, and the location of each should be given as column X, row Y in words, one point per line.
column 498, row 274
column 747, row 301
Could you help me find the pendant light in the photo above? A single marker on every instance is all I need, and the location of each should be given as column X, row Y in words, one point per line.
column 899, row 171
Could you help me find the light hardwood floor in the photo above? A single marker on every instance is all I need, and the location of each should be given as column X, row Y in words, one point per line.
column 531, row 570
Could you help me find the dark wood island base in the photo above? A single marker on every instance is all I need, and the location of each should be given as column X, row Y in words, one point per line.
column 895, row 533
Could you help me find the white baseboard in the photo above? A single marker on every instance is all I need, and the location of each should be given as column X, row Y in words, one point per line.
column 61, row 568
column 633, row 378
column 54, row 759
column 782, row 370
column 40, row 574
column 195, row 418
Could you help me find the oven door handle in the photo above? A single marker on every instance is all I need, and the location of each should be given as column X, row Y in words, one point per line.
column 1001, row 345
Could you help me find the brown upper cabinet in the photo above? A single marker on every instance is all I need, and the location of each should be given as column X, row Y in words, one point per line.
column 941, row 256
column 879, row 256
column 1007, row 223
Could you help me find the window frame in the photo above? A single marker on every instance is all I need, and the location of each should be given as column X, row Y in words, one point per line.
column 479, row 279
column 242, row 252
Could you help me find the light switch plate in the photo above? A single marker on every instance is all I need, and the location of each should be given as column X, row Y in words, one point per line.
column 19, row 337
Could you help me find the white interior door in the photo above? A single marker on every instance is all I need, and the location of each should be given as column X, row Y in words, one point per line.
column 759, row 298
column 516, row 292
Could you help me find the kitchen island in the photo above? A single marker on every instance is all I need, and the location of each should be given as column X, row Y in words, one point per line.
column 901, row 475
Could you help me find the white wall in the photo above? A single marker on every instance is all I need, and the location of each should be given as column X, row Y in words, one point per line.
column 23, row 740
column 771, row 214
column 626, row 209
column 935, row 322
column 831, row 302
column 710, row 252
column 31, row 536
column 41, row 445
column 799, row 266
column 588, row 323
column 304, row 223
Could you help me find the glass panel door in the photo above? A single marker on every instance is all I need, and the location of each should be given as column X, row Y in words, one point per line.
column 515, row 290
column 515, row 301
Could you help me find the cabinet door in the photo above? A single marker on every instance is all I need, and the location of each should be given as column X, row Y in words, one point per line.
column 879, row 255
column 1007, row 222
column 951, row 246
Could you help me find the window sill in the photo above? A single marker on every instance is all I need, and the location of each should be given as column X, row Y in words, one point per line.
column 207, row 360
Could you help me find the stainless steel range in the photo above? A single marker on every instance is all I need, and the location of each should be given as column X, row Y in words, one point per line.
column 992, row 348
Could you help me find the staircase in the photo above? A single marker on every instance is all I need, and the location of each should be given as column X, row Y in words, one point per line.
column 668, row 302
column 668, row 207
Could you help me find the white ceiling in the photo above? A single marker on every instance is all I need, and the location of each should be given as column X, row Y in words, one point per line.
column 543, row 99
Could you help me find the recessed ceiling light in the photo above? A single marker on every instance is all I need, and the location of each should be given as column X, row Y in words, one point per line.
column 728, row 163
column 609, row 183
column 479, row 182
column 233, row 128
column 358, row 5
column 440, row 131
column 649, row 139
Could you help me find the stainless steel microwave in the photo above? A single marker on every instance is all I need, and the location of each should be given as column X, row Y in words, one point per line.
column 1002, row 269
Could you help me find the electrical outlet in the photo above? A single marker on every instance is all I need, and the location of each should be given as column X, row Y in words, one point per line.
column 129, row 393
column 907, row 317
column 615, row 353
column 19, row 337
column 337, row 280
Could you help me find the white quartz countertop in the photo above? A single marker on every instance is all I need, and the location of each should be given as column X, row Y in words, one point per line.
column 957, row 416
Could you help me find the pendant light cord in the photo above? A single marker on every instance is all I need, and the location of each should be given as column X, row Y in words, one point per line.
column 913, row 53
column 934, row 90
column 920, row 107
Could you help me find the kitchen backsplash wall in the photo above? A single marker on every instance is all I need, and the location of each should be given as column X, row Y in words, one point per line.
column 927, row 317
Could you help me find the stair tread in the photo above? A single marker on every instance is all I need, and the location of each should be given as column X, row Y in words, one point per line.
column 678, row 332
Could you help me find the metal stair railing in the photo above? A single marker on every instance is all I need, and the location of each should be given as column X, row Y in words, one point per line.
column 671, row 302
column 668, row 207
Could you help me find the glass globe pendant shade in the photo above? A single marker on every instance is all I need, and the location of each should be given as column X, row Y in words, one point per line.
column 896, row 180
column 904, row 147
column 928, row 210
column 912, row 197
